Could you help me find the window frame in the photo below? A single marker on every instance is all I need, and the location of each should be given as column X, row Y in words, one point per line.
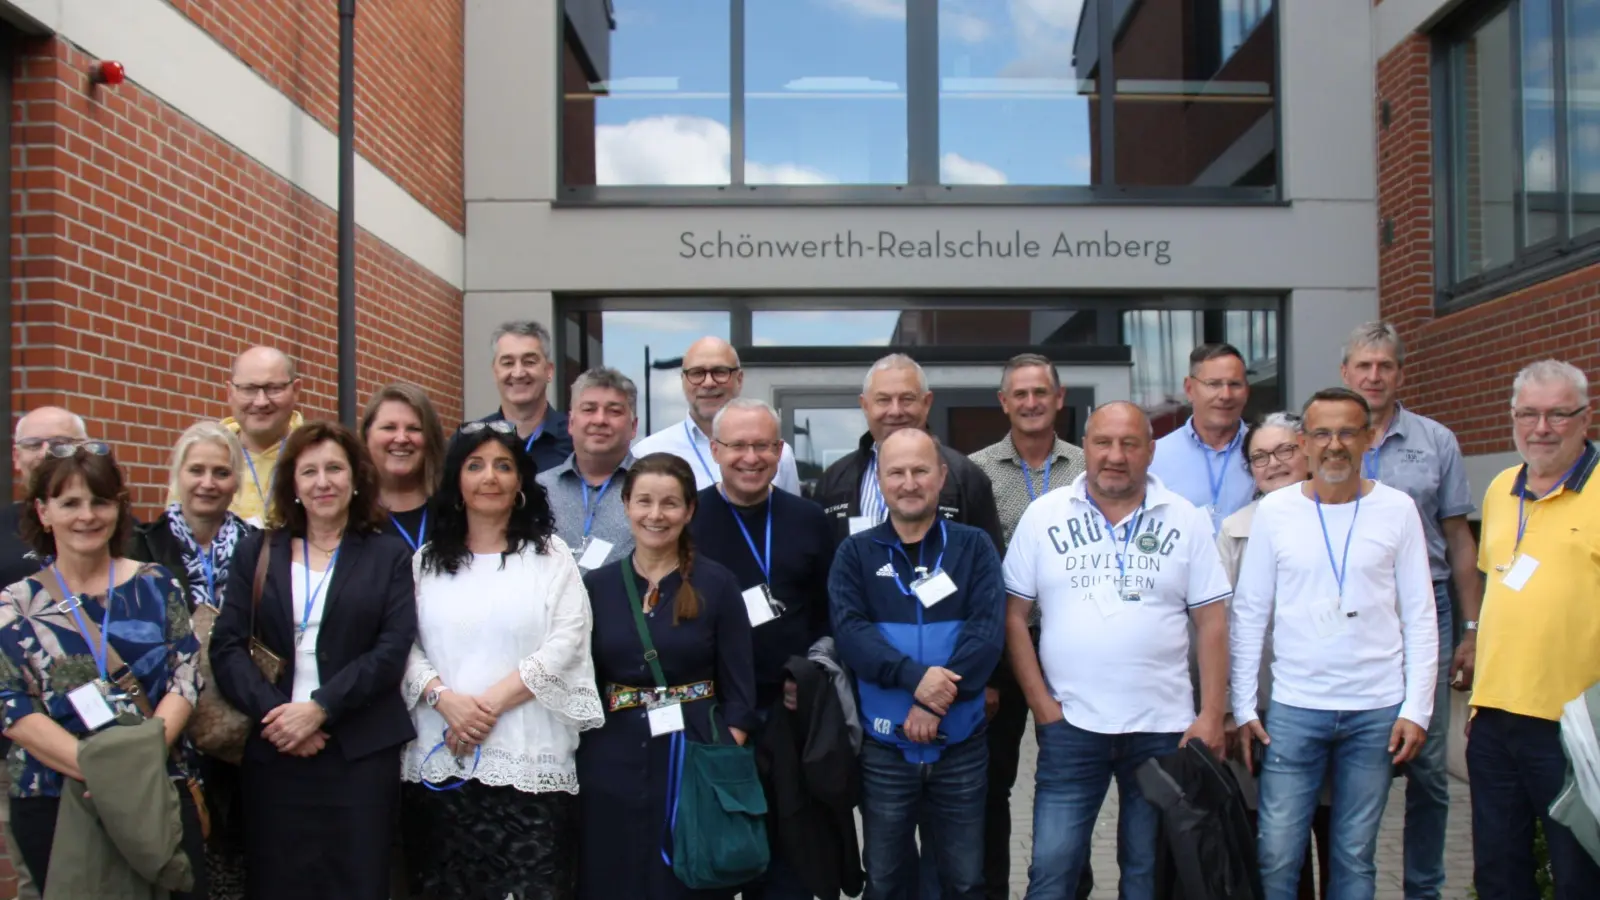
column 922, row 185
column 1532, row 264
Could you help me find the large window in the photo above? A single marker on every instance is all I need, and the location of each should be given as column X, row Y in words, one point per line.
column 1517, row 87
column 1055, row 101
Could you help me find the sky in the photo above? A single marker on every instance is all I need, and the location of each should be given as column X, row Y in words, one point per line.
column 825, row 93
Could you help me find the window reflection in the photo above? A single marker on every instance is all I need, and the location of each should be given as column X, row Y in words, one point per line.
column 824, row 435
column 627, row 338
column 1583, row 112
column 1162, row 339
column 1012, row 108
column 1484, row 149
column 1541, row 217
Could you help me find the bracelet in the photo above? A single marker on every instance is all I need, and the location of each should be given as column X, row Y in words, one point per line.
column 918, row 705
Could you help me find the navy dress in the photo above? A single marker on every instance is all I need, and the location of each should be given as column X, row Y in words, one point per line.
column 621, row 769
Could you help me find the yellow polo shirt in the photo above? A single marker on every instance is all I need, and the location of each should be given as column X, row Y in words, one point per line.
column 1539, row 647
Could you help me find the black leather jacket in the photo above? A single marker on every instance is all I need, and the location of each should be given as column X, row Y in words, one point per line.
column 967, row 496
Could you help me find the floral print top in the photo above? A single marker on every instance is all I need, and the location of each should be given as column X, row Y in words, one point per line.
column 43, row 657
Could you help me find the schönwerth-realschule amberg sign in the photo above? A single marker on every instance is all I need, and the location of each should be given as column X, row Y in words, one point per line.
column 940, row 244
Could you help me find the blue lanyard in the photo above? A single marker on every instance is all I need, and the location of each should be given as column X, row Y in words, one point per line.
column 67, row 596
column 1028, row 474
column 270, row 478
column 1370, row 462
column 1339, row 569
column 1523, row 517
column 208, row 563
column 528, row 447
column 696, row 448
column 311, row 595
column 589, row 513
column 477, row 757
column 1219, row 476
column 1127, row 536
column 422, row 531
column 937, row 563
column 765, row 562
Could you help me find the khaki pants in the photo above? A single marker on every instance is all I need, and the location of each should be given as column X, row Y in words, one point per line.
column 25, row 886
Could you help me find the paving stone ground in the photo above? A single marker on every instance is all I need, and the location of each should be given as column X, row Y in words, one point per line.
column 1458, row 838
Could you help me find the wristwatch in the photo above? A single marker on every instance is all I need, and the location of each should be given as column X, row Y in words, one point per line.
column 435, row 694
column 1470, row 625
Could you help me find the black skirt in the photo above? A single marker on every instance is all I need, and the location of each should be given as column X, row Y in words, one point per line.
column 488, row 843
column 320, row 828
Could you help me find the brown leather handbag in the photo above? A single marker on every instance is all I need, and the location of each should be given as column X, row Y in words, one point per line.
column 215, row 727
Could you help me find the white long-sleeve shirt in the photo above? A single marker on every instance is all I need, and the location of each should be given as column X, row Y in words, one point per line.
column 1387, row 652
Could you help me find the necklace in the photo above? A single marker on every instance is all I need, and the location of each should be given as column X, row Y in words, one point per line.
column 321, row 549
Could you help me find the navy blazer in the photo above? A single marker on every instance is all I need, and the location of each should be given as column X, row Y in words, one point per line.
column 369, row 622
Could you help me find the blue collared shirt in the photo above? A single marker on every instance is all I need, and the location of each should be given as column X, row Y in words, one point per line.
column 1217, row 481
column 553, row 445
column 1422, row 458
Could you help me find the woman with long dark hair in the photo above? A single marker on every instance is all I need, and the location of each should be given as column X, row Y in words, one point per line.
column 500, row 682
column 695, row 617
column 336, row 618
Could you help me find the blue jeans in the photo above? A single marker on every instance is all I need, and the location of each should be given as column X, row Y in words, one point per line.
column 1517, row 767
column 1428, row 776
column 894, row 794
column 1075, row 769
column 1351, row 751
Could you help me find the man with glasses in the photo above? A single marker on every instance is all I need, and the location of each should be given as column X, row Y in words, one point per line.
column 779, row 547
column 523, row 368
column 711, row 377
column 586, row 489
column 264, row 390
column 1421, row 457
column 1354, row 643
column 1203, row 461
column 1537, row 644
column 37, row 434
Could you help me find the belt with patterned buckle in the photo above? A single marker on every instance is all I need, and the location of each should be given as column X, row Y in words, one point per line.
column 621, row 696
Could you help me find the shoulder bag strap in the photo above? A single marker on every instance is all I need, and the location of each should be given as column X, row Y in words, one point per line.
column 259, row 583
column 116, row 670
column 637, row 605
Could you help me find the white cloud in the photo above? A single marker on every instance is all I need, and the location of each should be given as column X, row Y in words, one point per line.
column 957, row 169
column 839, row 83
column 1045, row 31
column 965, row 27
column 679, row 150
column 1540, row 172
column 874, row 9
column 1080, row 162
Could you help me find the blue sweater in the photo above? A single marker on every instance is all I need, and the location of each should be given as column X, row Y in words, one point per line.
column 889, row 639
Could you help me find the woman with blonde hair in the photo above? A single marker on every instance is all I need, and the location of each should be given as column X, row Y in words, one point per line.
column 403, row 434
column 195, row 538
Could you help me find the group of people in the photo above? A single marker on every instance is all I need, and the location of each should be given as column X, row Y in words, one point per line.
column 468, row 660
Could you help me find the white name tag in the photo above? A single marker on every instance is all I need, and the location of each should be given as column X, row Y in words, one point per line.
column 930, row 589
column 255, row 522
column 666, row 719
column 859, row 524
column 1328, row 619
column 594, row 553
column 89, row 700
column 1521, row 571
column 758, row 604
column 1107, row 599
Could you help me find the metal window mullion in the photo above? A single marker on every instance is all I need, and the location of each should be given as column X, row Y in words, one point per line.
column 1519, row 181
column 736, row 100
column 1558, row 64
column 922, row 92
column 1107, row 42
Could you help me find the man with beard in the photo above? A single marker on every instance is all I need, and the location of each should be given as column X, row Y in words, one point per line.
column 586, row 488
column 523, row 368
column 711, row 377
column 1355, row 649
column 1118, row 566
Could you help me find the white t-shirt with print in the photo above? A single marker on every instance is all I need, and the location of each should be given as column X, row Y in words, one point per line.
column 1118, row 666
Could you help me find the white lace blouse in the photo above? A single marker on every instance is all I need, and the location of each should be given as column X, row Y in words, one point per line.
column 475, row 627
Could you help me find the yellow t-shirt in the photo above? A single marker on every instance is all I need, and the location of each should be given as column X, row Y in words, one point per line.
column 1539, row 647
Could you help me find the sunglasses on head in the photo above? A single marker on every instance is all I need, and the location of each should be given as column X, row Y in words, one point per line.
column 498, row 426
column 92, row 448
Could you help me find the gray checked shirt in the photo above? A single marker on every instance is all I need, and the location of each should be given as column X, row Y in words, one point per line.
column 1010, row 477
column 610, row 521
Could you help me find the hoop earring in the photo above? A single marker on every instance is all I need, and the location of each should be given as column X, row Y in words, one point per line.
column 522, row 499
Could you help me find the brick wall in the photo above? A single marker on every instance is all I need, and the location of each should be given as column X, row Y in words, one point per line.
column 1460, row 365
column 146, row 253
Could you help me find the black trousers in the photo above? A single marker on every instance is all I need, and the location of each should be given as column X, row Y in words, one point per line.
column 33, row 821
column 1006, row 729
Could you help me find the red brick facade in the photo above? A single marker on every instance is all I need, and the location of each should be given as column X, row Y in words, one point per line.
column 147, row 252
column 1460, row 364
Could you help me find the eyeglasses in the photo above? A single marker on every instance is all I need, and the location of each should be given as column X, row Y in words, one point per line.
column 39, row 443
column 498, row 426
column 1216, row 385
column 1323, row 435
column 67, row 450
column 273, row 390
column 761, row 448
column 1281, row 453
column 719, row 374
column 1556, row 417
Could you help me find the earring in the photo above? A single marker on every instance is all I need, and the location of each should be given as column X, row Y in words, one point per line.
column 355, row 493
column 297, row 501
column 522, row 499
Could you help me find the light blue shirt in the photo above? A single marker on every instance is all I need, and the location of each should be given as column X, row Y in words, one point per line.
column 1217, row 481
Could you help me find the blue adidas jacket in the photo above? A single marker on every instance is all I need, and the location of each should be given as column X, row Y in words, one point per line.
column 889, row 639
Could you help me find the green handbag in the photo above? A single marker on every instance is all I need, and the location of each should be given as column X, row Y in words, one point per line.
column 716, row 810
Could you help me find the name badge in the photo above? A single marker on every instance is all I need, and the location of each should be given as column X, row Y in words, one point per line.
column 1108, row 599
column 89, row 701
column 666, row 719
column 592, row 553
column 1328, row 619
column 760, row 605
column 933, row 587
column 255, row 522
column 859, row 524
column 1521, row 571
